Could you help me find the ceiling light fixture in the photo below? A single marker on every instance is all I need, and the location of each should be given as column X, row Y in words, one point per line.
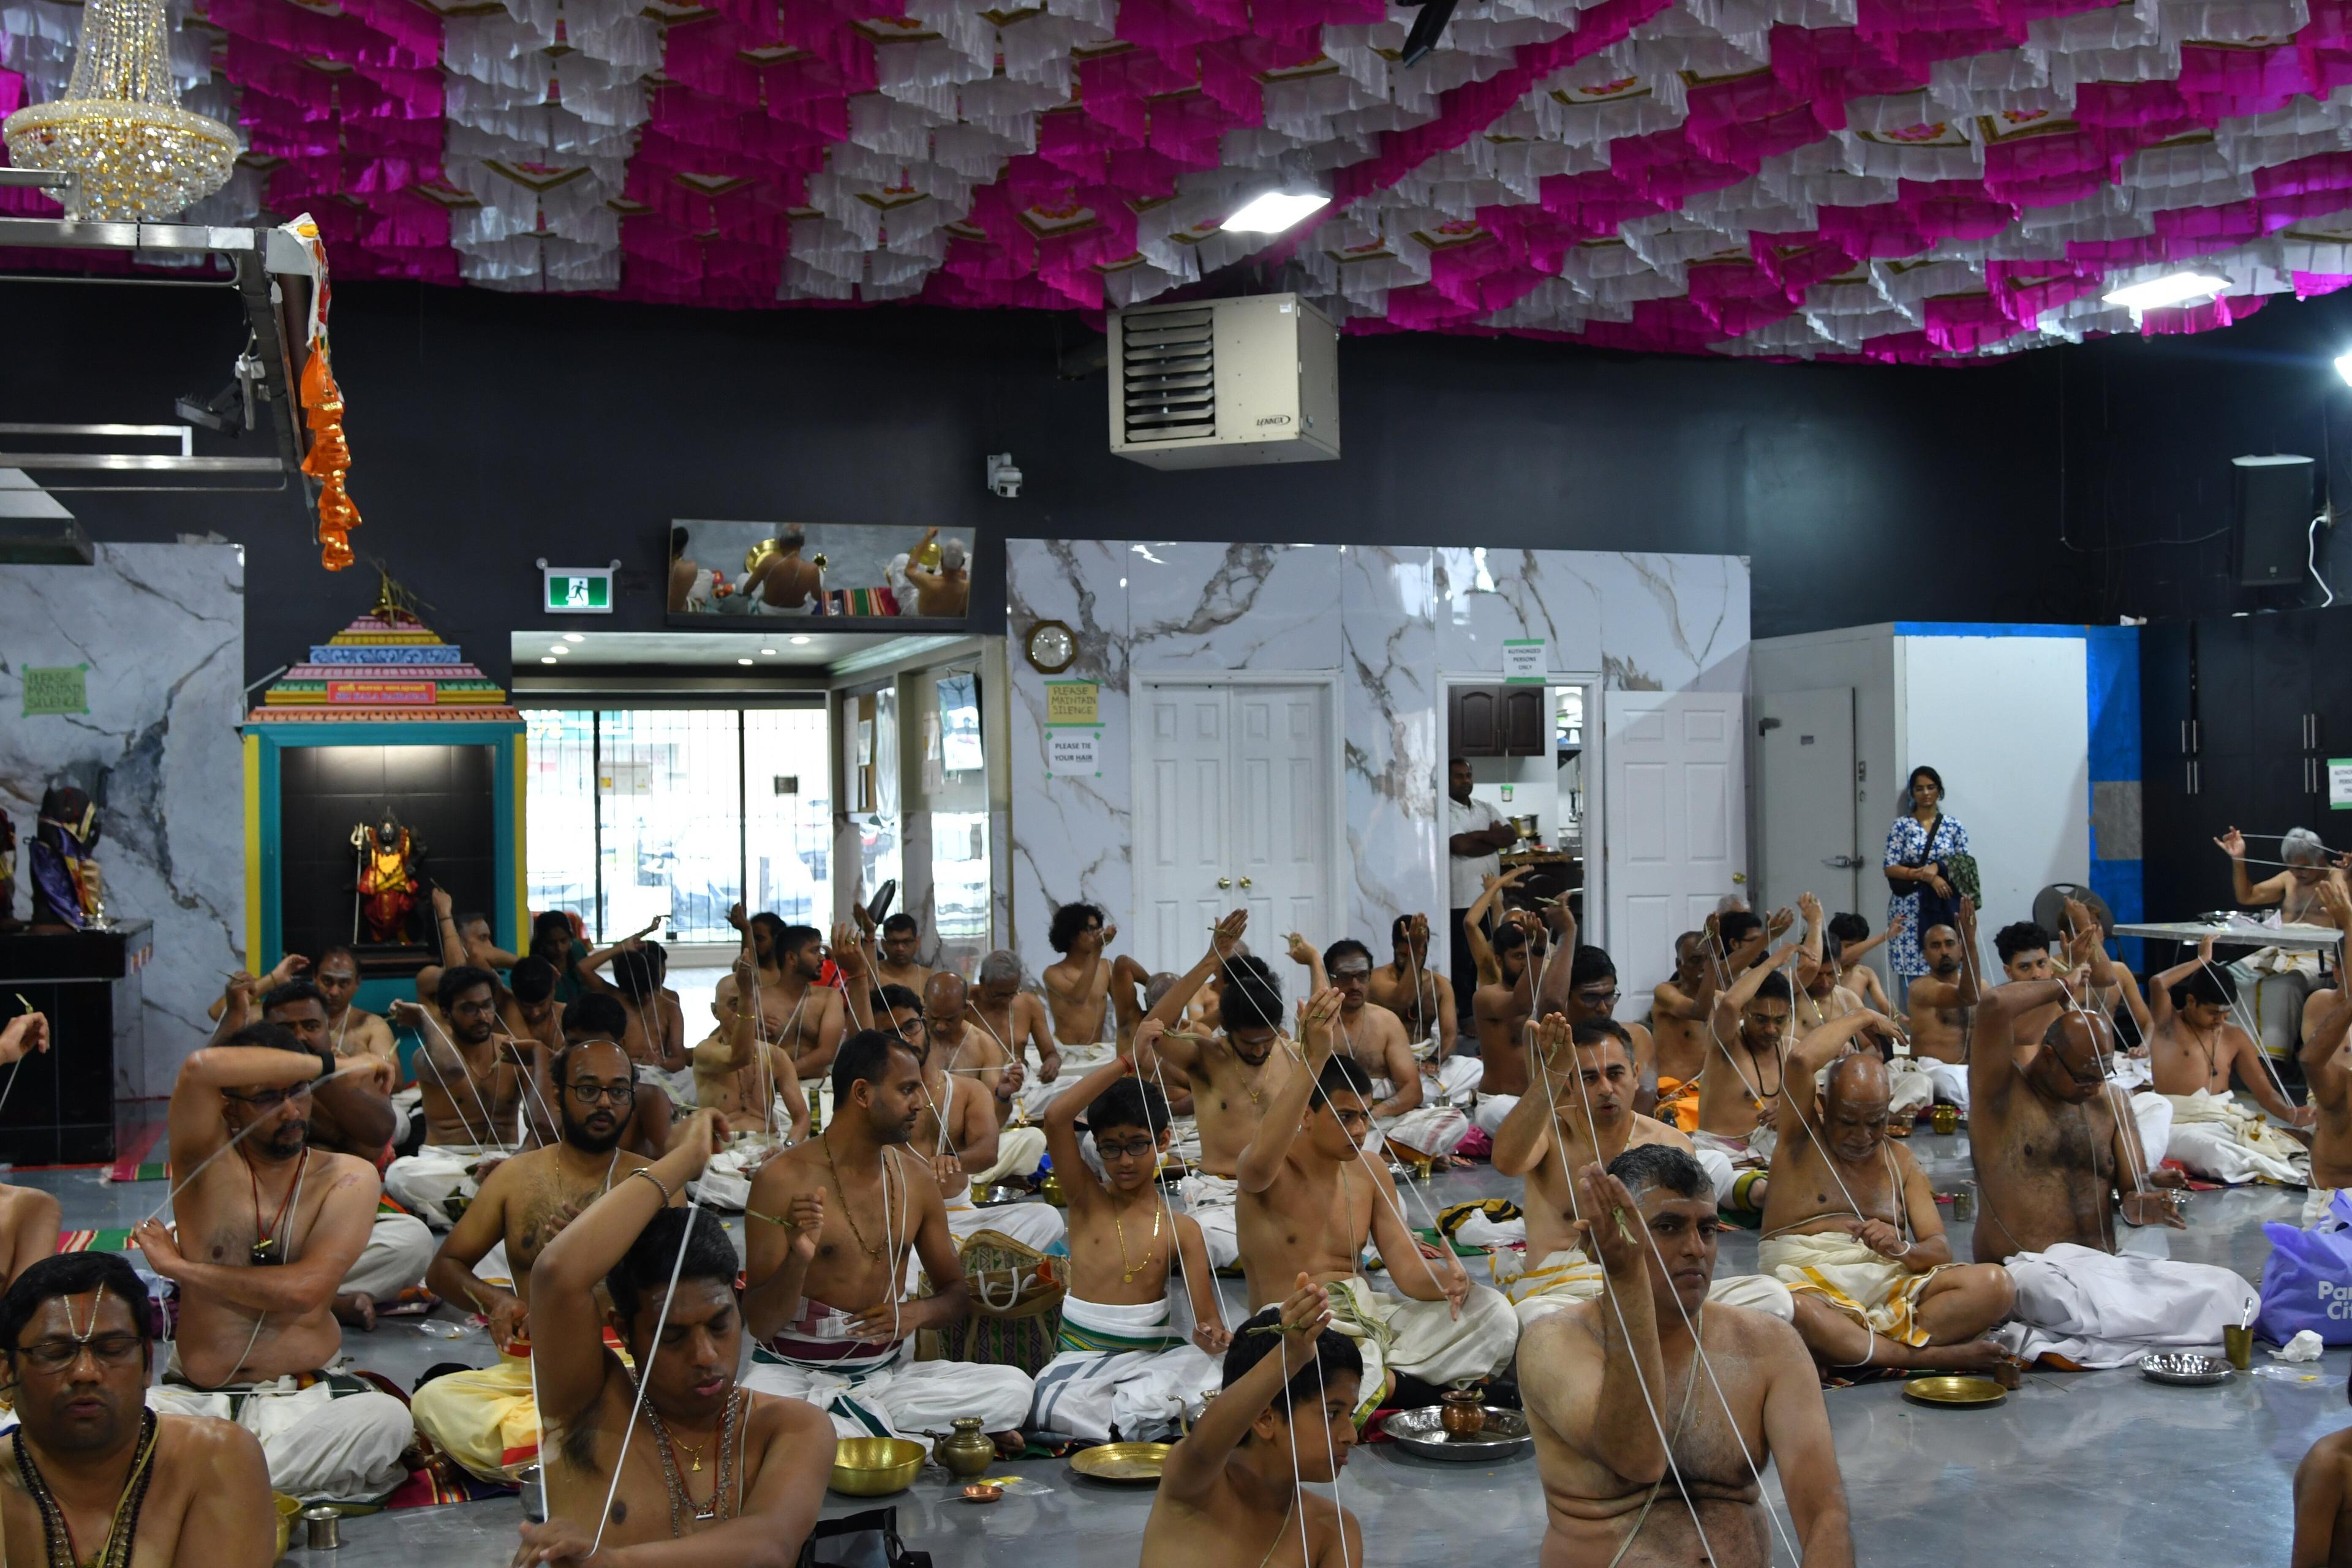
column 1276, row 211
column 547, row 658
column 768, row 653
column 573, row 636
column 559, row 648
column 2172, row 289
column 2344, row 366
column 800, row 642
column 742, row 661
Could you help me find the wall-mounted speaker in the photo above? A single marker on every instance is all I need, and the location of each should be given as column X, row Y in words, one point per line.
column 2271, row 511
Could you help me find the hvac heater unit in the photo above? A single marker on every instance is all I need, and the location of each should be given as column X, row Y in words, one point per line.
column 1225, row 382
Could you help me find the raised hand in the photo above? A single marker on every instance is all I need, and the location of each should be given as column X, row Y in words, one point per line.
column 26, row 1032
column 1301, row 951
column 1228, row 935
column 239, row 993
column 1308, row 1312
column 1316, row 1018
column 2233, row 844
column 1781, row 920
column 1811, row 908
column 1610, row 1220
column 699, row 1136
column 735, row 916
column 404, row 1014
column 848, row 955
column 441, row 903
column 805, row 1216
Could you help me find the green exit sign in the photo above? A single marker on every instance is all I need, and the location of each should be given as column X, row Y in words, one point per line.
column 577, row 590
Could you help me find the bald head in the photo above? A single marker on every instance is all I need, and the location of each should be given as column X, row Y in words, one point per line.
column 1858, row 1077
column 943, row 992
column 1855, row 1094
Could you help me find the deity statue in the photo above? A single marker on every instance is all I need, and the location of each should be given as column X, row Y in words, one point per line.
column 68, row 892
column 386, row 895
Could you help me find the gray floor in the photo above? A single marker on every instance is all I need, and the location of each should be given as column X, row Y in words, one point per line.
column 2076, row 1469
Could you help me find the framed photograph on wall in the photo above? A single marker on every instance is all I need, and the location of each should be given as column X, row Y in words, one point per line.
column 743, row 576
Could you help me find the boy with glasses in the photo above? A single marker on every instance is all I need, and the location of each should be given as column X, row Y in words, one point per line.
column 1125, row 1373
column 487, row 1420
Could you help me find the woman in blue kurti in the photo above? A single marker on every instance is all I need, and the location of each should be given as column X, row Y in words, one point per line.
column 1918, row 850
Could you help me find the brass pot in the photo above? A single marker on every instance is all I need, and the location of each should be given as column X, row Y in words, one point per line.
column 1945, row 1119
column 1463, row 1415
column 966, row 1451
column 875, row 1466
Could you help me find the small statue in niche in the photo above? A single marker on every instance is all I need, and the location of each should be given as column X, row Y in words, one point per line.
column 68, row 892
column 390, row 860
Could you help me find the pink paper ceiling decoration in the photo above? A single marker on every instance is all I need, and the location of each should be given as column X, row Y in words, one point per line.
column 1919, row 181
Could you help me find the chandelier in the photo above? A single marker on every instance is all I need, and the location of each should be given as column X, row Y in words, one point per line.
column 119, row 128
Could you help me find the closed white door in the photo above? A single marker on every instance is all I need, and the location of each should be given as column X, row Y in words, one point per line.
column 1180, row 817
column 1804, row 771
column 1677, row 818
column 1235, row 793
column 1281, row 822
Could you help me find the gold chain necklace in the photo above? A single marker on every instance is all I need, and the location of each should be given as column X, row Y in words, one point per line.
column 1126, row 1274
column 847, row 1213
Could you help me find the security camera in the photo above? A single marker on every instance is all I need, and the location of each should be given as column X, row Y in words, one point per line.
column 1004, row 478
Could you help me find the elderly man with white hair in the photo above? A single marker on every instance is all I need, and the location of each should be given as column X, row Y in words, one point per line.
column 2282, row 980
column 990, row 1035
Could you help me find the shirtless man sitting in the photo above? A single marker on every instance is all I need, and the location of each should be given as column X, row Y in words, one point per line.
column 1408, row 987
column 1851, row 1227
column 1939, row 1022
column 1741, row 1091
column 1596, row 1378
column 741, row 1076
column 1376, row 1039
column 1680, row 1007
column 1077, row 987
column 2195, row 1054
column 833, row 1224
column 989, row 1087
column 670, row 1274
column 1855, row 941
column 1499, row 1012
column 796, row 1013
column 92, row 1464
column 1285, row 1416
column 354, row 1031
column 267, row 1235
column 1229, row 1071
column 1010, row 1021
column 487, row 1421
column 785, row 582
column 1580, row 1113
column 1311, row 1200
column 471, row 1081
column 900, row 936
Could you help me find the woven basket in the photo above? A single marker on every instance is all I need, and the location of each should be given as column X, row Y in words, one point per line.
column 1016, row 1304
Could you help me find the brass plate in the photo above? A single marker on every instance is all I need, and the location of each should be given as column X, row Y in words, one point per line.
column 1129, row 1464
column 1954, row 1390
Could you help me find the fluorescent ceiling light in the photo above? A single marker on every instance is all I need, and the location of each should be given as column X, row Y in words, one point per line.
column 573, row 636
column 742, row 661
column 1276, row 211
column 768, row 652
column 2344, row 366
column 559, row 648
column 2173, row 288
column 547, row 658
column 800, row 642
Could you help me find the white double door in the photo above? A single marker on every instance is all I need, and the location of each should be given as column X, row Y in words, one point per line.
column 1236, row 799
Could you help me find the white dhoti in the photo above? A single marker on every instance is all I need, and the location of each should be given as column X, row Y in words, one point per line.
column 485, row 1420
column 338, row 1440
column 1077, row 1061
column 1872, row 1289
column 1425, row 1132
column 2152, row 1113
column 1209, row 1201
column 1123, row 1373
column 1912, row 1088
column 2099, row 1310
column 875, row 1388
column 427, row 1182
column 1490, row 1110
column 2128, row 1072
column 1421, row 1338
column 399, row 1250
column 1733, row 1164
column 1565, row 1278
column 1951, row 1080
column 1455, row 1076
column 725, row 1183
column 2215, row 1137
column 1040, row 1225
column 1018, row 1151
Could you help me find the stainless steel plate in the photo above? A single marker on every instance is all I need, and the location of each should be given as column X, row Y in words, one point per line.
column 2186, row 1368
column 1422, row 1432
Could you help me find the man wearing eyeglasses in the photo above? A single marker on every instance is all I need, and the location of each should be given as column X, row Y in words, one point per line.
column 487, row 1420
column 169, row 1489
column 268, row 1228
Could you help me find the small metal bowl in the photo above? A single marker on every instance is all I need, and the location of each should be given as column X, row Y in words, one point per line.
column 2186, row 1368
column 976, row 1492
column 875, row 1466
column 1423, row 1432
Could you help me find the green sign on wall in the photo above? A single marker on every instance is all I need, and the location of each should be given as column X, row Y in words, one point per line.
column 56, row 688
column 576, row 590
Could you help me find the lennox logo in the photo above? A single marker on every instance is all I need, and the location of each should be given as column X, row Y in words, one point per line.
column 1274, row 419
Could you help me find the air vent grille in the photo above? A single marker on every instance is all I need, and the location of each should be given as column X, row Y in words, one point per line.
column 1167, row 365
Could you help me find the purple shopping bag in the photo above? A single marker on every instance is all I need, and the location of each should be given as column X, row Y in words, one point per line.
column 2307, row 1283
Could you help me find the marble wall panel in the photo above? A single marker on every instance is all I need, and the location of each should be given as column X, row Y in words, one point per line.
column 1069, row 837
column 1672, row 622
column 162, row 629
column 1233, row 607
column 1389, row 700
column 1486, row 597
